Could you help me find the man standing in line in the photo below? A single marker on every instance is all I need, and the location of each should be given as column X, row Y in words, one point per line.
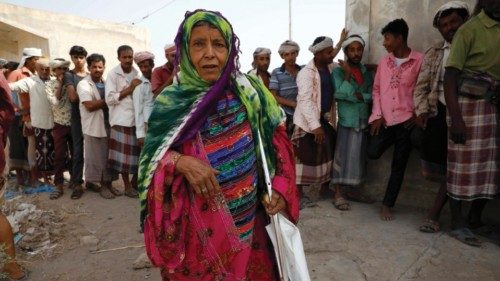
column 472, row 94
column 71, row 80
column 95, row 126
column 42, row 120
column 392, row 118
column 430, row 106
column 163, row 76
column 260, row 65
column 283, row 83
column 123, row 147
column 143, row 96
column 18, row 152
column 314, row 117
column 353, row 93
column 61, row 109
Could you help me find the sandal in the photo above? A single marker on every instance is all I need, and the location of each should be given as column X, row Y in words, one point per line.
column 429, row 226
column 466, row 236
column 341, row 204
column 106, row 193
column 77, row 192
column 93, row 187
column 115, row 191
column 57, row 193
column 132, row 193
column 306, row 202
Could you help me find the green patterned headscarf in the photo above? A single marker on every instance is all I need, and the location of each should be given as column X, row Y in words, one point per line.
column 182, row 108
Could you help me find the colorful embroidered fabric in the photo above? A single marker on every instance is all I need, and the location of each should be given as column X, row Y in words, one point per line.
column 228, row 142
column 181, row 109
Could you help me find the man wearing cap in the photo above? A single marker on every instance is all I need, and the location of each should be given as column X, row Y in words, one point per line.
column 314, row 117
column 18, row 152
column 61, row 133
column 282, row 83
column 143, row 96
column 392, row 118
column 124, row 151
column 42, row 120
column 353, row 93
column 163, row 76
column 472, row 94
column 430, row 106
column 260, row 64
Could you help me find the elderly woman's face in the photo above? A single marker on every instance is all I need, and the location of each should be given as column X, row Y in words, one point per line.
column 208, row 52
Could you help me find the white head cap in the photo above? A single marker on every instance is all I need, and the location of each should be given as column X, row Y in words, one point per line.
column 28, row 53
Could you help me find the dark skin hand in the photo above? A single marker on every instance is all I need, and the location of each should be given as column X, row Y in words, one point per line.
column 376, row 126
column 421, row 120
column 347, row 76
column 130, row 89
column 283, row 101
column 140, row 142
column 276, row 205
column 410, row 123
column 202, row 178
column 199, row 175
column 319, row 135
column 457, row 128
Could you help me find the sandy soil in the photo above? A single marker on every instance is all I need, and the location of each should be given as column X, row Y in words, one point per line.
column 353, row 245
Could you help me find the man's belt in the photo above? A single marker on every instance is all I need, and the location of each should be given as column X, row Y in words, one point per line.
column 479, row 86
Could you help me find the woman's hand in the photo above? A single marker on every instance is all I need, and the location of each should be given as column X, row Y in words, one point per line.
column 199, row 175
column 276, row 205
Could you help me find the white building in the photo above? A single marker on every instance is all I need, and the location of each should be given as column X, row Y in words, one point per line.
column 55, row 33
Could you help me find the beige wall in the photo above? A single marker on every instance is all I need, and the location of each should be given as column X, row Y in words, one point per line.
column 55, row 34
column 368, row 17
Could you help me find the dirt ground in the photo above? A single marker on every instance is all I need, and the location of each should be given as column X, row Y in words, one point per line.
column 342, row 246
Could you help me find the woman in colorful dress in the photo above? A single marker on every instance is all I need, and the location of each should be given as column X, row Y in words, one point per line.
column 200, row 175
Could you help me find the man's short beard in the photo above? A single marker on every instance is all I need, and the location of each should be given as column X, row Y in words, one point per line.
column 352, row 62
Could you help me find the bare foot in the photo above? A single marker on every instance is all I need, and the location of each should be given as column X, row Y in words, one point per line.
column 386, row 214
column 13, row 270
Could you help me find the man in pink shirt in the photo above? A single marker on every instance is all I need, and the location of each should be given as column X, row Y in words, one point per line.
column 392, row 118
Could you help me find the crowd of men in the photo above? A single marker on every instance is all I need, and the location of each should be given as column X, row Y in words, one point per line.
column 76, row 120
column 443, row 102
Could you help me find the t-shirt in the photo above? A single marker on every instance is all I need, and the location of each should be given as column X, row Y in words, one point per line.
column 100, row 88
column 475, row 46
column 400, row 61
column 71, row 78
column 326, row 90
column 286, row 85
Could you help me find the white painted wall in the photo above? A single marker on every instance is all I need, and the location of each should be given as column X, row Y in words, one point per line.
column 55, row 34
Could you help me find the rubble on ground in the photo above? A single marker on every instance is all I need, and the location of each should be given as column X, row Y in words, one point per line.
column 40, row 230
column 142, row 262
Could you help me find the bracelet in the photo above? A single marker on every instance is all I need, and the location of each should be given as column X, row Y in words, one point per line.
column 175, row 157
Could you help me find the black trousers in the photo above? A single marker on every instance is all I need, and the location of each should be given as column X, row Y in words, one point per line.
column 399, row 136
column 77, row 156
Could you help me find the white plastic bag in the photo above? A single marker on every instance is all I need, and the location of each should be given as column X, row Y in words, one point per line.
column 295, row 267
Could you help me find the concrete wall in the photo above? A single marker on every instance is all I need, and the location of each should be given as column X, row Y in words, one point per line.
column 367, row 17
column 55, row 34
